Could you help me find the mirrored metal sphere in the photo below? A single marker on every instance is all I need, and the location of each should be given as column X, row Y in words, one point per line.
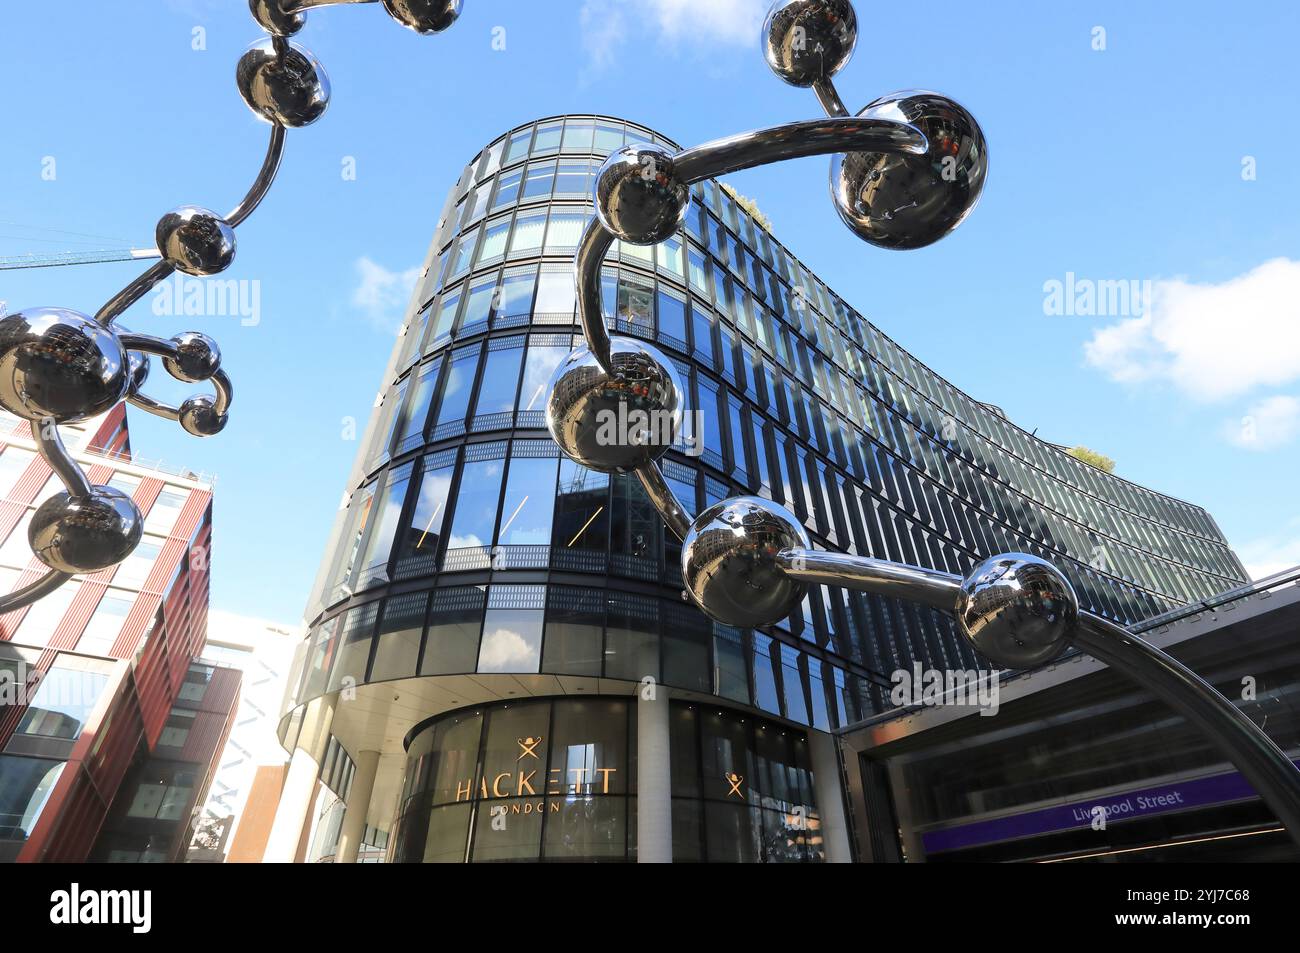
column 59, row 364
column 424, row 16
column 729, row 561
column 198, row 415
column 290, row 89
column 615, row 423
column 639, row 197
column 1017, row 610
column 197, row 357
column 271, row 18
column 85, row 534
column 196, row 241
column 138, row 370
column 908, row 201
column 808, row 40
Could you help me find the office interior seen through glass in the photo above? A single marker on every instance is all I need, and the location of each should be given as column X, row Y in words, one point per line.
column 472, row 564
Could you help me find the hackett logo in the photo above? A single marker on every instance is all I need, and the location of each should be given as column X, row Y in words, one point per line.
column 102, row 907
column 523, row 783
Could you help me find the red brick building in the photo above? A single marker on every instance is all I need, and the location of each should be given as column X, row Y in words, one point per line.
column 109, row 727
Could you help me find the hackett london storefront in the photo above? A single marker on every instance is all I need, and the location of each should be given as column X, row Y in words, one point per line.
column 557, row 780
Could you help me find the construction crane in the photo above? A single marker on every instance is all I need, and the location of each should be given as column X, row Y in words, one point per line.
column 59, row 259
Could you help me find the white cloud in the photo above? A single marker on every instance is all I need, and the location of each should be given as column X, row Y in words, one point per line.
column 381, row 295
column 607, row 24
column 1267, row 424
column 1272, row 554
column 1211, row 341
column 505, row 650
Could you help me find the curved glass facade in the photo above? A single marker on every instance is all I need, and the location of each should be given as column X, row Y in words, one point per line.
column 470, row 547
column 556, row 781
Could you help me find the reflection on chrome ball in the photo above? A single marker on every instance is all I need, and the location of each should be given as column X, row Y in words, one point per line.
column 85, row 534
column 615, row 423
column 59, row 364
column 896, row 200
column 639, row 197
column 729, row 561
column 1017, row 610
column 809, row 40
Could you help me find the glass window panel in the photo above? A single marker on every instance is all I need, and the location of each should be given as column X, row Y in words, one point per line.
column 539, row 364
column 476, row 505
column 456, row 385
column 582, row 508
column 529, row 502
column 454, row 623
column 575, row 625
column 397, row 645
column 424, row 528
column 527, row 236
column 548, row 137
column 564, row 231
column 494, row 240
column 555, row 293
column 538, row 179
column 512, row 641
column 508, row 189
column 496, row 392
column 516, row 295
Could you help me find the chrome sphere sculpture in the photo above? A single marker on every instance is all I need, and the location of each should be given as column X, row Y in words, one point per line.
column 1017, row 610
column 196, row 241
column 729, row 561
column 896, row 200
column 639, row 196
column 58, row 366
column 85, row 533
column 619, row 420
column 808, row 41
column 906, row 171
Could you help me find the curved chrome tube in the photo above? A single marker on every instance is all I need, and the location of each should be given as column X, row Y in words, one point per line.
column 829, row 97
column 592, row 248
column 265, row 178
column 50, row 444
column 884, row 578
column 35, row 591
column 300, row 6
column 664, row 499
column 137, row 289
column 1261, row 762
column 794, row 140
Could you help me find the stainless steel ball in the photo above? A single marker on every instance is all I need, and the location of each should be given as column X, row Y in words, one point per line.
column 616, row 422
column 85, row 534
column 729, row 561
column 809, row 40
column 138, row 369
column 271, row 18
column 896, row 200
column 196, row 241
column 639, row 197
column 197, row 357
column 1017, row 610
column 198, row 415
column 424, row 16
column 290, row 89
column 59, row 364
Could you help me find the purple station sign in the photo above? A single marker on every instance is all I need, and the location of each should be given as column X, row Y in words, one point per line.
column 1143, row 802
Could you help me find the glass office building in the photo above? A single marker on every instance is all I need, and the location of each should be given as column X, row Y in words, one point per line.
column 474, row 571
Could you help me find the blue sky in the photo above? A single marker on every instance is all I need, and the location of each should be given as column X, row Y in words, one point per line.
column 1165, row 157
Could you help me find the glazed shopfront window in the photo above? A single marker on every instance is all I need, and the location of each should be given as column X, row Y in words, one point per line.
column 520, row 782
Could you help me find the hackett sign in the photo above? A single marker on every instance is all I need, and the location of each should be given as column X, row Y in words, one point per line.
column 521, row 782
